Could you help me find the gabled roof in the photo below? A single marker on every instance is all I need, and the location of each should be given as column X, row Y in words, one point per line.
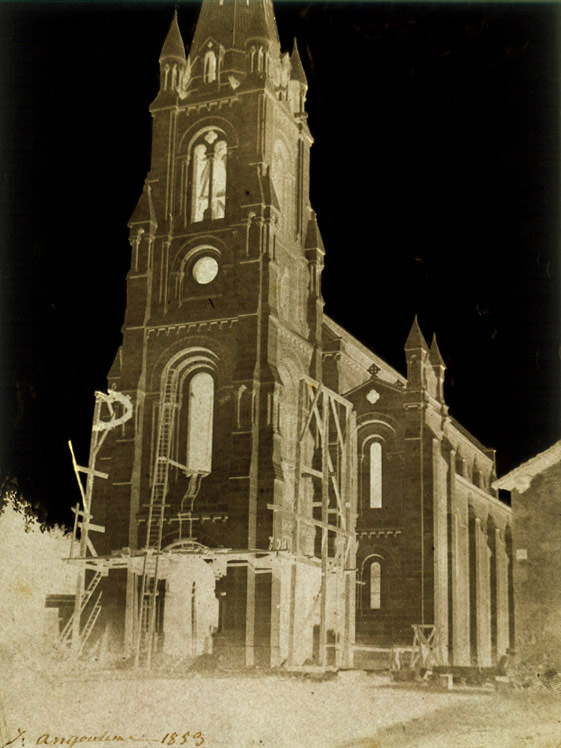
column 521, row 477
column 387, row 372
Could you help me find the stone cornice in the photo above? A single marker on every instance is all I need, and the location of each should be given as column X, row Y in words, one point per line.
column 482, row 494
column 192, row 327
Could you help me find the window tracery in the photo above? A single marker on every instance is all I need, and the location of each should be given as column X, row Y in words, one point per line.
column 208, row 177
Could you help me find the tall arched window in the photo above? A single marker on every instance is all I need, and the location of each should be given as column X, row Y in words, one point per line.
column 200, row 416
column 208, row 177
column 375, row 586
column 209, row 68
column 282, row 176
column 375, row 474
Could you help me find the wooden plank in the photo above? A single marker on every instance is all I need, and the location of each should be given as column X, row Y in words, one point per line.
column 80, row 512
column 90, row 547
column 90, row 526
column 305, row 469
column 174, row 463
column 311, row 521
column 337, row 424
column 336, row 490
column 91, row 471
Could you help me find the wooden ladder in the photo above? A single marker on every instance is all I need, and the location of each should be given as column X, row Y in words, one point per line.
column 66, row 634
column 155, row 525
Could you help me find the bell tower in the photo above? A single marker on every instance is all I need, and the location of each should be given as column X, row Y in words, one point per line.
column 224, row 316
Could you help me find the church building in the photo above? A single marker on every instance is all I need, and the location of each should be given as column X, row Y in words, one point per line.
column 280, row 495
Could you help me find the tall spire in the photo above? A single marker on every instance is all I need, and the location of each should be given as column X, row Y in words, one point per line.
column 173, row 45
column 232, row 23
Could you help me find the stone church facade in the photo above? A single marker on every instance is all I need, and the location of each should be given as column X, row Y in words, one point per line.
column 281, row 494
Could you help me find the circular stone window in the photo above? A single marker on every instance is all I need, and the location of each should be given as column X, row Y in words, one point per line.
column 205, row 270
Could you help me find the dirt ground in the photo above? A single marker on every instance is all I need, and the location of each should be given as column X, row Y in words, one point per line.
column 354, row 710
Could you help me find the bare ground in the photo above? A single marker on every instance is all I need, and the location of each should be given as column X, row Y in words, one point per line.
column 354, row 710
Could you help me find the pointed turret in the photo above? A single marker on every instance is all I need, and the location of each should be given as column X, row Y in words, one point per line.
column 313, row 236
column 172, row 62
column 435, row 356
column 144, row 211
column 174, row 47
column 297, row 73
column 416, row 353
column 439, row 367
column 415, row 339
column 298, row 85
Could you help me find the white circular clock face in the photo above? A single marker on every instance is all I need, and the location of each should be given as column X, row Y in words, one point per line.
column 205, row 270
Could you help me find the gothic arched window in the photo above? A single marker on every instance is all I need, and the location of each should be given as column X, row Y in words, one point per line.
column 375, row 585
column 208, row 174
column 200, row 416
column 375, row 475
column 209, row 67
column 283, row 183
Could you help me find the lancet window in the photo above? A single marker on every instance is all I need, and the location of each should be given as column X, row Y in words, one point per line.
column 375, row 474
column 375, row 585
column 209, row 65
column 200, row 416
column 283, row 183
column 209, row 165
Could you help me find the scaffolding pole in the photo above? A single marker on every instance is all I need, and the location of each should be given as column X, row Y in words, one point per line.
column 83, row 517
column 328, row 421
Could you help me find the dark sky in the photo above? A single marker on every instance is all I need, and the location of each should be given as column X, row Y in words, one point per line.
column 435, row 176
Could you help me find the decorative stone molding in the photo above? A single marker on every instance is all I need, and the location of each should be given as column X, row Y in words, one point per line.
column 372, row 534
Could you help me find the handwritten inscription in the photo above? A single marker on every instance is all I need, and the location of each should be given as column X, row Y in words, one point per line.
column 185, row 738
column 280, row 544
column 175, row 738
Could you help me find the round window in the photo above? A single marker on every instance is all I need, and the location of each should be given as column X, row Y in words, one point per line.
column 205, row 270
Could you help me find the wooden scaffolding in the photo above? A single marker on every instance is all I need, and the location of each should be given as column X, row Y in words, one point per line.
column 76, row 632
column 325, row 503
